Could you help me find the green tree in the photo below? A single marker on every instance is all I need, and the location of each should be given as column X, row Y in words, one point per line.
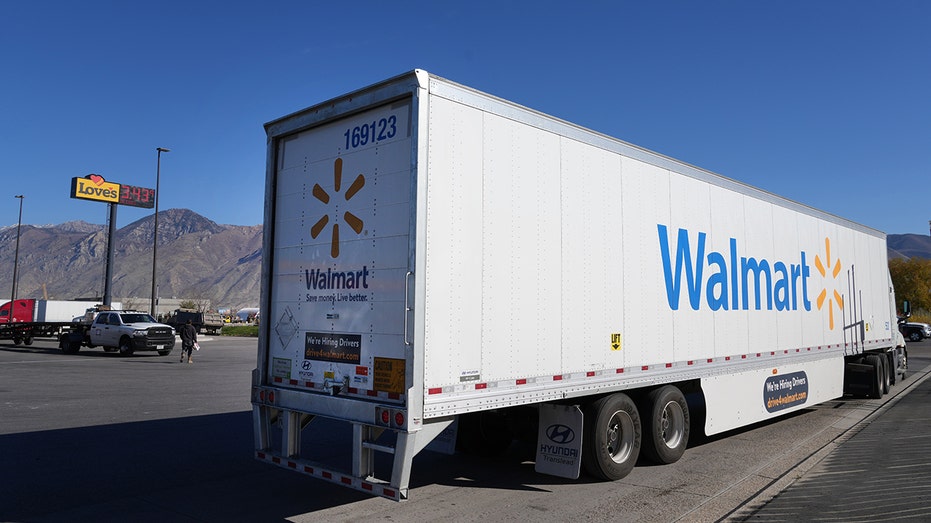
column 912, row 281
column 189, row 304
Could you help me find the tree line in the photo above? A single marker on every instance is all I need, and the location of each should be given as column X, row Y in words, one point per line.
column 912, row 281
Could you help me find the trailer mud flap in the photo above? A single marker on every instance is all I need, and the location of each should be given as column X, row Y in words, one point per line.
column 559, row 441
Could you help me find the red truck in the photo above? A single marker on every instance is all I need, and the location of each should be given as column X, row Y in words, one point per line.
column 24, row 319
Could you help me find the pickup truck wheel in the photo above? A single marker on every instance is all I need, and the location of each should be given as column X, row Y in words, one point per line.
column 611, row 437
column 69, row 347
column 665, row 419
column 915, row 336
column 126, row 347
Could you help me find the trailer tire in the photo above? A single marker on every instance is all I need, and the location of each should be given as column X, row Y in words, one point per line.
column 126, row 347
column 27, row 340
column 665, row 420
column 611, row 437
column 876, row 379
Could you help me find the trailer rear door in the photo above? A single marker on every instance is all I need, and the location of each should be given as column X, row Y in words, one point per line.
column 342, row 237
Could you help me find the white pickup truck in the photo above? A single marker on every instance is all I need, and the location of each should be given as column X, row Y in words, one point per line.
column 126, row 331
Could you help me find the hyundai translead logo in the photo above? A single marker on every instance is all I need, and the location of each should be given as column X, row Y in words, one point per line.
column 560, row 434
column 352, row 220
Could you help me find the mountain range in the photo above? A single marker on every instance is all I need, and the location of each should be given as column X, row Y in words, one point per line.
column 198, row 260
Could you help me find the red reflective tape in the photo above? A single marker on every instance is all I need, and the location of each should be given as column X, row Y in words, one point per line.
column 309, row 384
column 345, row 481
column 292, row 382
column 367, row 486
column 480, row 386
column 435, row 390
column 394, row 396
column 691, row 362
column 371, row 393
column 276, row 460
column 277, row 379
column 645, row 367
column 557, row 378
column 260, row 455
column 669, row 365
column 308, row 470
column 522, row 381
column 352, row 390
column 726, row 358
column 292, row 465
column 619, row 371
column 327, row 475
column 589, row 374
column 743, row 356
column 710, row 360
column 389, row 492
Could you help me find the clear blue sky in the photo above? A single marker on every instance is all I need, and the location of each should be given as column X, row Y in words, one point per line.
column 826, row 102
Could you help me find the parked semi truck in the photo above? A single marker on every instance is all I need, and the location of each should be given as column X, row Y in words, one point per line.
column 23, row 320
column 442, row 261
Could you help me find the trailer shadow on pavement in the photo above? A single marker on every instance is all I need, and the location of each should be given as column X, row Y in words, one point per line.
column 199, row 468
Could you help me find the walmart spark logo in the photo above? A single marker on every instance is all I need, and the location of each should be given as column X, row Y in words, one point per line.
column 824, row 267
column 352, row 220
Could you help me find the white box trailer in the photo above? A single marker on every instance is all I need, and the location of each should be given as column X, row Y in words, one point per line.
column 63, row 311
column 435, row 254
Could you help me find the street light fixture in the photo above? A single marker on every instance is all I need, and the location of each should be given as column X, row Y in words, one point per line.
column 16, row 257
column 158, row 169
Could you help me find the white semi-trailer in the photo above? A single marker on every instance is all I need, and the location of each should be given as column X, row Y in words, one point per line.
column 439, row 260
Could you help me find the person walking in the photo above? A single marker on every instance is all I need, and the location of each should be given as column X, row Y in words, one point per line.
column 188, row 339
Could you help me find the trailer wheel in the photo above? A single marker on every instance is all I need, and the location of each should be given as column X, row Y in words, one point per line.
column 876, row 379
column 126, row 347
column 27, row 340
column 665, row 419
column 17, row 340
column 612, row 438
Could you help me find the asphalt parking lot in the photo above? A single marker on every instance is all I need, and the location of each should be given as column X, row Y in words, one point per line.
column 99, row 437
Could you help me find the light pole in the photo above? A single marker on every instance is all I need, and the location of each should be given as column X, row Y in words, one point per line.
column 16, row 257
column 158, row 169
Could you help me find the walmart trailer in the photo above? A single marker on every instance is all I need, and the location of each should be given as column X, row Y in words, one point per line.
column 441, row 261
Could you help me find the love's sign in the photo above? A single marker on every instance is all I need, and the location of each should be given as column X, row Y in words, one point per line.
column 95, row 187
